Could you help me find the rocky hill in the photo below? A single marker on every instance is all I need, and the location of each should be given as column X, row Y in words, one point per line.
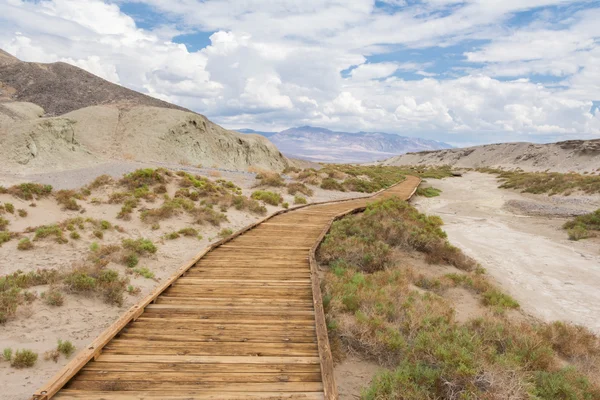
column 572, row 155
column 61, row 117
column 319, row 144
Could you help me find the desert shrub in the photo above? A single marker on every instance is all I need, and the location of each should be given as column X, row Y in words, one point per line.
column 270, row 179
column 578, row 232
column 45, row 231
column 27, row 191
column 550, row 183
column 9, row 208
column 24, row 358
column 365, row 240
column 3, row 223
column 565, row 384
column 98, row 234
column 583, row 226
column 225, row 232
column 188, row 232
column 203, row 215
column 145, row 272
column 290, row 169
column 7, row 354
column 268, row 197
column 495, row 298
column 130, row 260
column 53, row 297
column 133, row 290
column 168, row 209
column 252, row 205
column 296, row 187
column 10, row 299
column 80, row 282
column 571, row 341
column 25, row 244
column 285, row 205
column 299, row 200
column 74, row 235
column 102, row 180
column 66, row 348
column 127, row 209
column 67, row 199
column 22, row 213
column 428, row 192
column 5, row 237
column 332, row 184
column 172, row 236
column 145, row 177
column 360, row 185
column 139, row 246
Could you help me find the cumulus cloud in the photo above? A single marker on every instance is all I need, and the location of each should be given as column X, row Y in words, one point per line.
column 271, row 65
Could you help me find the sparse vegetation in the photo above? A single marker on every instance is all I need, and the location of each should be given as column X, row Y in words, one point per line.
column 45, row 231
column 5, row 237
column 297, row 187
column 550, row 183
column 145, row 272
column 299, row 200
column 22, row 213
column 66, row 348
column 25, row 244
column 140, row 246
column 428, row 192
column 53, row 297
column 29, row 191
column 7, row 354
column 9, row 208
column 372, row 309
column 67, row 199
column 188, row 232
column 4, row 223
column 225, row 232
column 332, row 184
column 583, row 226
column 24, row 359
column 74, row 235
column 102, row 180
column 270, row 179
column 271, row 198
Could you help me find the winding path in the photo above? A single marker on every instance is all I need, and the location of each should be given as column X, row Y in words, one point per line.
column 243, row 320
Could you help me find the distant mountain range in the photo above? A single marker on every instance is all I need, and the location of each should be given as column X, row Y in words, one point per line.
column 324, row 145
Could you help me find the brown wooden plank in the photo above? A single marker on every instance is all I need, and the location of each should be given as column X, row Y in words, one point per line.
column 181, row 386
column 206, row 394
column 179, row 377
column 201, row 368
column 169, row 359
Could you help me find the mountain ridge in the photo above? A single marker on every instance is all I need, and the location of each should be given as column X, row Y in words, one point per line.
column 325, row 145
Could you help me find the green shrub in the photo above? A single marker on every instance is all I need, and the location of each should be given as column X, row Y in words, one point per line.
column 25, row 244
column 145, row 177
column 299, row 200
column 131, row 260
column 268, row 197
column 80, row 282
column 203, row 215
column 66, row 198
column 5, row 237
column 270, row 179
column 22, row 213
column 27, row 191
column 145, row 272
column 45, row 231
column 583, row 226
column 172, row 236
column 495, row 298
column 285, row 205
column 7, row 354
column 140, row 246
column 53, row 297
column 75, row 235
column 98, row 234
column 3, row 223
column 24, row 359
column 94, row 246
column 105, row 225
column 188, row 232
column 102, row 180
column 565, row 384
column 225, row 232
column 9, row 208
column 66, row 348
column 332, row 184
column 428, row 192
column 578, row 232
column 297, row 187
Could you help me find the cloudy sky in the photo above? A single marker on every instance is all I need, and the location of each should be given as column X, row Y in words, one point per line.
column 465, row 72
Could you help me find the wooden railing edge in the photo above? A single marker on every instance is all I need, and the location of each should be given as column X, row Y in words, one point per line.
column 93, row 350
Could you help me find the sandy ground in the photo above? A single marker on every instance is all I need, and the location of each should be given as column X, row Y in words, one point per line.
column 81, row 319
column 527, row 253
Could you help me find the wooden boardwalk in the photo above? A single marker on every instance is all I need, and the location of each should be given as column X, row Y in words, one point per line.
column 244, row 320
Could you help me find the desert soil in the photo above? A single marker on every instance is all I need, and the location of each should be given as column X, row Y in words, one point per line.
column 518, row 239
column 81, row 319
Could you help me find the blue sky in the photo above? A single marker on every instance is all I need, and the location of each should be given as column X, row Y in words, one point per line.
column 464, row 72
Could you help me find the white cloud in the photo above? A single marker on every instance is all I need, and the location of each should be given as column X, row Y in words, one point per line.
column 279, row 63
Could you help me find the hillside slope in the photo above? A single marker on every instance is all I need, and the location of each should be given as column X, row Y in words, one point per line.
column 57, row 116
column 572, row 155
column 320, row 144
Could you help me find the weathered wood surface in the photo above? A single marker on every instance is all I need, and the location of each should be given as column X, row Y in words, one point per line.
column 243, row 320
